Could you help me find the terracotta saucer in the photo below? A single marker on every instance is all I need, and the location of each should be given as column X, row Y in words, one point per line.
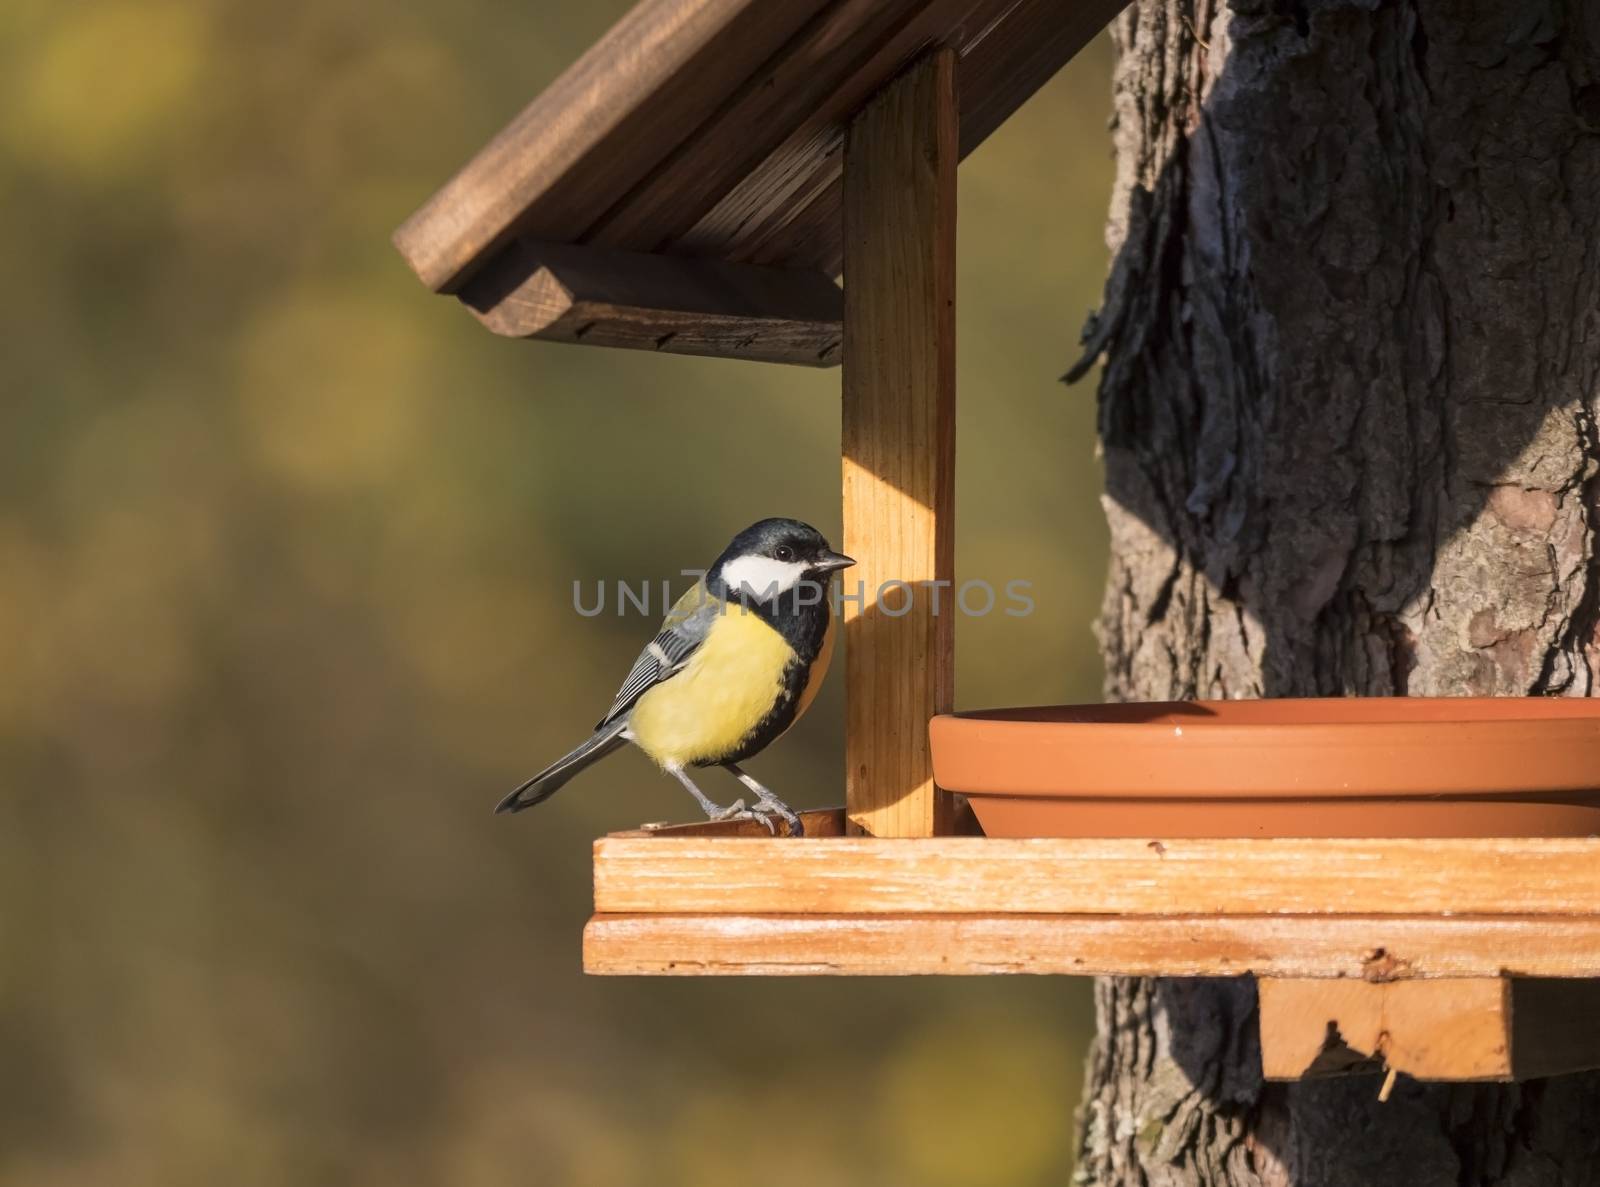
column 1356, row 767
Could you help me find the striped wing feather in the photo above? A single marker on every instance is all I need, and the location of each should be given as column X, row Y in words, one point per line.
column 681, row 634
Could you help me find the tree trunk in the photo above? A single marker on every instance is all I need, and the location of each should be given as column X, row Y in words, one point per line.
column 1352, row 341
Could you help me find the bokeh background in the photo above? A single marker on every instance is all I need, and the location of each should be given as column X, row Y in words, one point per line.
column 287, row 549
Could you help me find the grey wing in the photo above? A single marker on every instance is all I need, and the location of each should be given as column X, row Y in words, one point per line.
column 680, row 637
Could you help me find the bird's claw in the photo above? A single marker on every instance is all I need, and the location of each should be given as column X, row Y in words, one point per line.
column 764, row 818
column 796, row 829
column 767, row 804
column 737, row 811
column 764, row 813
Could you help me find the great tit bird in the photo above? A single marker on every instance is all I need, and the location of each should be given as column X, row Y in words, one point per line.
column 737, row 661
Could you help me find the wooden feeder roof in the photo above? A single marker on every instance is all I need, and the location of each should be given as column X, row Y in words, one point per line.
column 711, row 130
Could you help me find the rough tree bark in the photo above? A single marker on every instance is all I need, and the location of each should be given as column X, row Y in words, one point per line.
column 1352, row 342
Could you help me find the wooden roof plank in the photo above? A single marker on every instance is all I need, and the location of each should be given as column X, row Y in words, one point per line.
column 815, row 74
column 597, row 130
column 1091, row 945
column 786, row 212
column 1004, row 66
column 638, row 301
column 808, row 161
column 714, row 128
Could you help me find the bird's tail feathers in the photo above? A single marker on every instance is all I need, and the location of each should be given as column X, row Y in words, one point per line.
column 554, row 777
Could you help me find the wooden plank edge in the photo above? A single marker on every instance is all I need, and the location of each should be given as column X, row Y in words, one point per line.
column 819, row 823
column 974, row 875
column 1005, row 64
column 640, row 301
column 1366, row 948
column 594, row 132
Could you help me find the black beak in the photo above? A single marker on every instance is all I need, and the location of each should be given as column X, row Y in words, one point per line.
column 832, row 562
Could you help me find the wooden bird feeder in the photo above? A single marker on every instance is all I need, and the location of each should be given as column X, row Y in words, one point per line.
column 694, row 184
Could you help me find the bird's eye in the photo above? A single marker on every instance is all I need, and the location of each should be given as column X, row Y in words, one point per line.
column 783, row 553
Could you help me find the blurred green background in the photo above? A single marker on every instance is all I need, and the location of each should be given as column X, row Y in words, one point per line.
column 286, row 559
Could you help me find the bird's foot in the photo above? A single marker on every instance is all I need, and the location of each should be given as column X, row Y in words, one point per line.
column 737, row 811
column 768, row 804
column 764, row 819
column 764, row 813
column 772, row 805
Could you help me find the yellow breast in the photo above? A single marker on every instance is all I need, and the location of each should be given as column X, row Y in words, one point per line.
column 723, row 693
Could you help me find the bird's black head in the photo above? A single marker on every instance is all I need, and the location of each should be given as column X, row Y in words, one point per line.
column 772, row 557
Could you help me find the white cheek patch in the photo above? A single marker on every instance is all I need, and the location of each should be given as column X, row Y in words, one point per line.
column 761, row 577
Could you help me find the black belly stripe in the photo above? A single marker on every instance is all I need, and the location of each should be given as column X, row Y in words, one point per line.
column 804, row 629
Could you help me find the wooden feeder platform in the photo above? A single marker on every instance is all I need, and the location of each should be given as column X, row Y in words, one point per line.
column 694, row 184
column 1451, row 959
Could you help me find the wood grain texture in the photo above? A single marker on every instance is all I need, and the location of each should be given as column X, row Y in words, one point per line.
column 786, row 212
column 716, row 128
column 1082, row 945
column 597, row 130
column 564, row 293
column 788, row 205
column 1451, row 1029
column 1448, row 1029
column 899, row 446
column 979, row 875
column 1008, row 58
column 825, row 73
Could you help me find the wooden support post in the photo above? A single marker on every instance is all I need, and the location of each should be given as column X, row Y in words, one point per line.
column 899, row 445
